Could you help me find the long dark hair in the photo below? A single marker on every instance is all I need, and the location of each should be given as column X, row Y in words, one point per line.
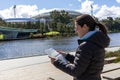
column 90, row 22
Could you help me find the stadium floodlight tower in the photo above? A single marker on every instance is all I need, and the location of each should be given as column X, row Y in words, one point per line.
column 91, row 10
column 14, row 9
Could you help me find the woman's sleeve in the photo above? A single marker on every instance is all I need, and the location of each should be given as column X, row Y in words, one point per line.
column 70, row 57
column 80, row 63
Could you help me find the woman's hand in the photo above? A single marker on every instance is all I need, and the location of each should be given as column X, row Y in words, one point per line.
column 62, row 52
column 52, row 59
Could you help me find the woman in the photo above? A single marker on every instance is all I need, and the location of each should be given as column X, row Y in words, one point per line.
column 88, row 62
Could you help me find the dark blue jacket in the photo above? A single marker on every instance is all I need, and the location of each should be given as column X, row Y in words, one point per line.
column 88, row 62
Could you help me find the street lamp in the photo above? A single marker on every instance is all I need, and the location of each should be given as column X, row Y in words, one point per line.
column 91, row 10
column 14, row 8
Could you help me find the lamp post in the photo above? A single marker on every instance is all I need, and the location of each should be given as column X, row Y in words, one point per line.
column 14, row 8
column 91, row 10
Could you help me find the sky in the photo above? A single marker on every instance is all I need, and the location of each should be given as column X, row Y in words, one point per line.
column 28, row 8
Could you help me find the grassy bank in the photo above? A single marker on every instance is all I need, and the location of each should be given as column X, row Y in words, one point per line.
column 113, row 54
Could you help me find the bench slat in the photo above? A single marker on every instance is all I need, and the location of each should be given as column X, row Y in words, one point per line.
column 111, row 67
column 112, row 75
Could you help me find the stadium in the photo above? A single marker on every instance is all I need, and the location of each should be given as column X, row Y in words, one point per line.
column 45, row 17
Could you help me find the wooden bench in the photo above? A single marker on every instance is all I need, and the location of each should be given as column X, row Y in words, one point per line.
column 111, row 71
column 109, row 60
column 111, row 67
column 112, row 75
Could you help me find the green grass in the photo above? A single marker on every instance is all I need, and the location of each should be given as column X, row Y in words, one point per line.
column 117, row 60
column 113, row 54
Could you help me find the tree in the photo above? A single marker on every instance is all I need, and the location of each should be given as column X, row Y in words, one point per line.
column 60, row 16
column 110, row 18
column 42, row 28
column 112, row 24
column 117, row 19
column 37, row 24
column 52, row 26
column 108, row 23
column 55, row 15
column 60, row 20
column 2, row 22
column 65, row 18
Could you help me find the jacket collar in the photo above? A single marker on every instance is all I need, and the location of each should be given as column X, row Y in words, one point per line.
column 86, row 36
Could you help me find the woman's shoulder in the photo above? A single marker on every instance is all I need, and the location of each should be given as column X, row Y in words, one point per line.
column 88, row 46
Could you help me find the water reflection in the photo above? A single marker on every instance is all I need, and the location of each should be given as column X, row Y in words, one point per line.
column 23, row 48
column 115, row 39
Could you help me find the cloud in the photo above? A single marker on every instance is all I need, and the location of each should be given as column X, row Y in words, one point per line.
column 6, row 13
column 118, row 1
column 79, row 0
column 86, row 7
column 48, row 10
column 106, row 11
column 100, row 12
column 21, row 11
column 26, row 11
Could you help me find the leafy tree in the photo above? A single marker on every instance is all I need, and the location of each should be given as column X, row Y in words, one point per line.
column 59, row 21
column 59, row 25
column 117, row 19
column 29, row 25
column 42, row 28
column 110, row 18
column 112, row 24
column 52, row 26
column 65, row 18
column 60, row 16
column 37, row 25
column 2, row 22
column 55, row 15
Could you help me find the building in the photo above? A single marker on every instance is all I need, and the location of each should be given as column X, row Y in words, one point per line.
column 45, row 17
column 18, row 20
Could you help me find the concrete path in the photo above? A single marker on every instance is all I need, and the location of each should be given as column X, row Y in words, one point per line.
column 40, row 71
column 21, row 62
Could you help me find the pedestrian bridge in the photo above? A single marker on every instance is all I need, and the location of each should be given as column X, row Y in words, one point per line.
column 13, row 33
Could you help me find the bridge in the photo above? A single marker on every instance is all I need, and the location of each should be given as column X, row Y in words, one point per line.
column 15, row 33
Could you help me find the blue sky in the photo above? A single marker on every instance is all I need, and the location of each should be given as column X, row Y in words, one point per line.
column 28, row 8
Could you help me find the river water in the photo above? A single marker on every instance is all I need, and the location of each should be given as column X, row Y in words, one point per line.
column 34, row 47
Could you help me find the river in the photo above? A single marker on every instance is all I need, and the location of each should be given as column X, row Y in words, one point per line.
column 34, row 47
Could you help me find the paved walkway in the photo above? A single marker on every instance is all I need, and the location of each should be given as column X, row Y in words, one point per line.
column 30, row 68
column 39, row 71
